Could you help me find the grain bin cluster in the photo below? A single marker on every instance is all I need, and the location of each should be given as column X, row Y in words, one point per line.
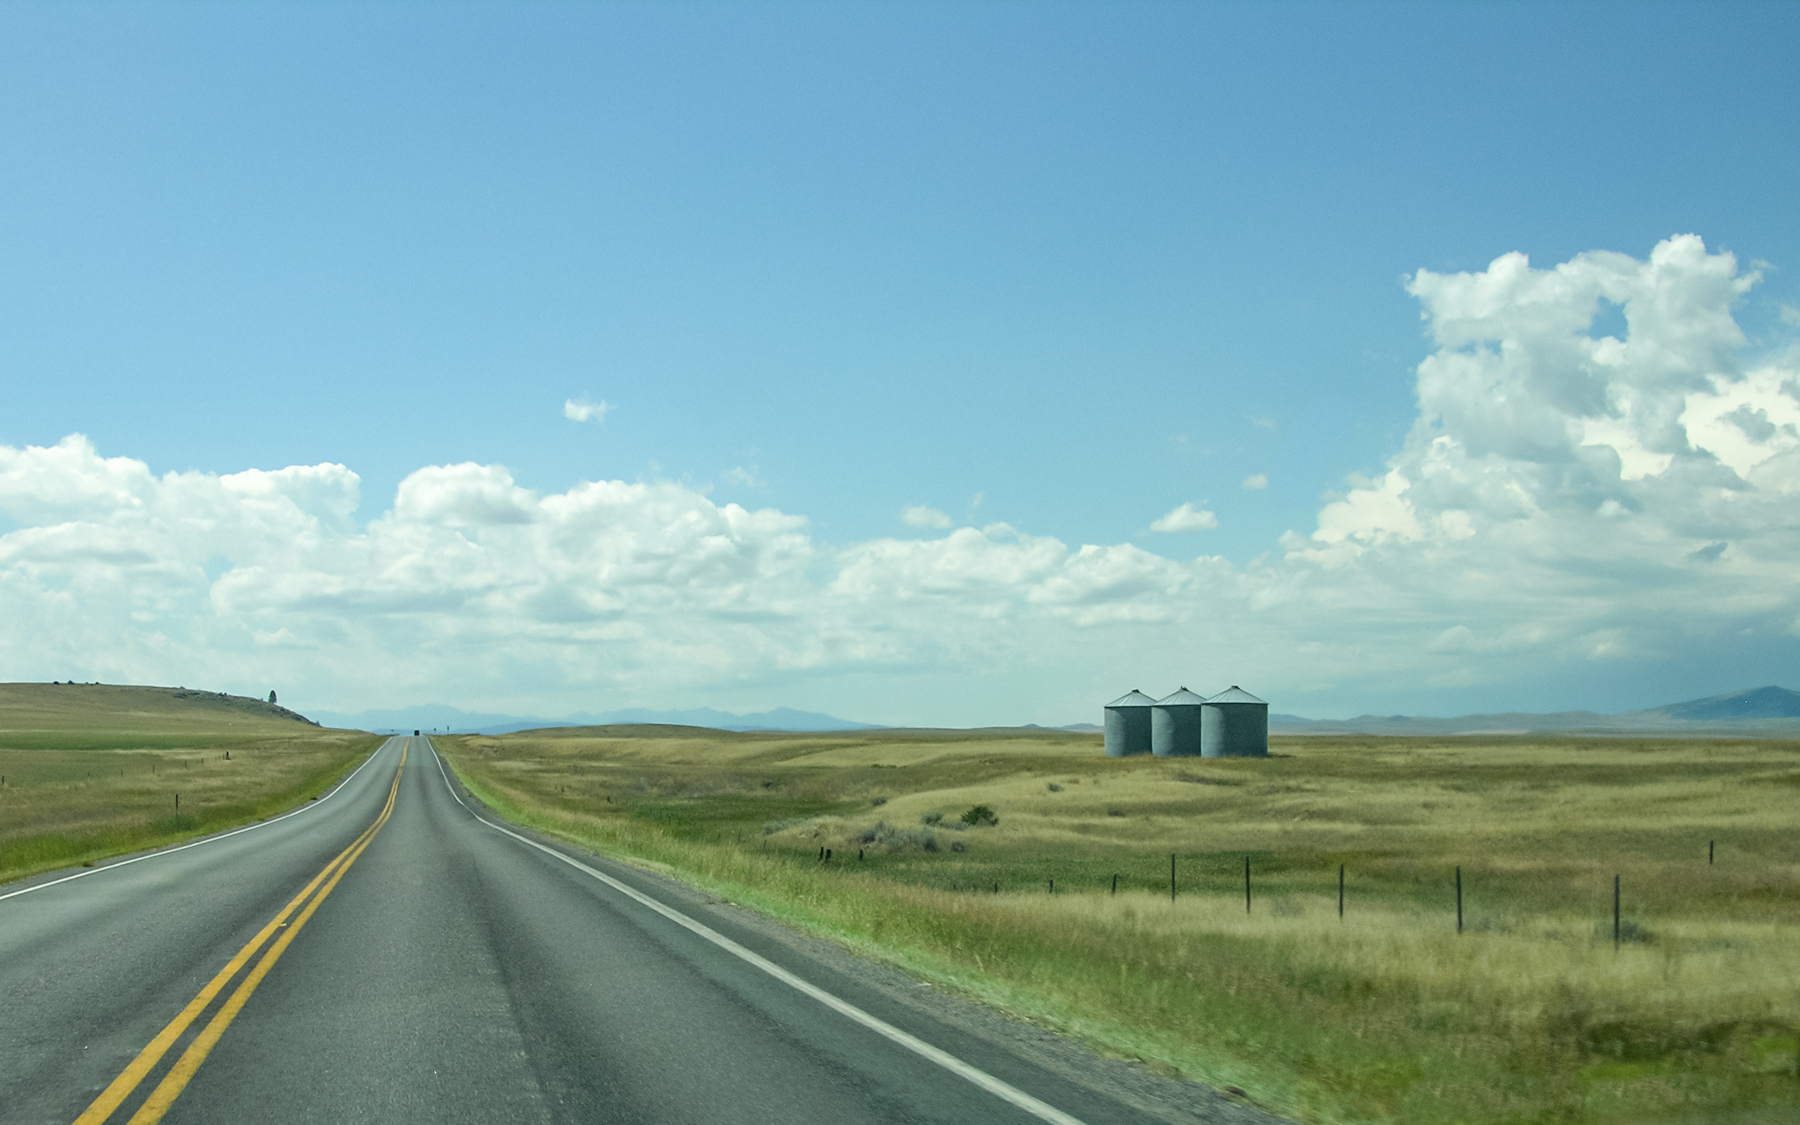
column 1231, row 724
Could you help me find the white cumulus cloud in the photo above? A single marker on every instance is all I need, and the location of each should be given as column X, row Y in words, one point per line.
column 1601, row 496
column 1186, row 518
column 1565, row 498
column 1256, row 480
column 466, row 495
column 581, row 410
column 920, row 515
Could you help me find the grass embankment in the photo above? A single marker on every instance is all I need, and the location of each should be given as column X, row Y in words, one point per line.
column 94, row 770
column 1386, row 1015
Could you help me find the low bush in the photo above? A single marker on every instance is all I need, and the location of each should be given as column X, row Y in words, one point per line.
column 980, row 816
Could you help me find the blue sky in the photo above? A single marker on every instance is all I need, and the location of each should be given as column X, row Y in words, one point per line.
column 1062, row 268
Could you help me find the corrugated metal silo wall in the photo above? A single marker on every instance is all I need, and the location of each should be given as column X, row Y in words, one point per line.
column 1234, row 730
column 1175, row 731
column 1127, row 731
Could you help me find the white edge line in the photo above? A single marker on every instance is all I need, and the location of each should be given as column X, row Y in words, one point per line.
column 949, row 1062
column 207, row 840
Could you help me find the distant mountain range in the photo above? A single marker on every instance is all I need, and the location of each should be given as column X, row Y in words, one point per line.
column 1757, row 703
column 1769, row 710
column 441, row 717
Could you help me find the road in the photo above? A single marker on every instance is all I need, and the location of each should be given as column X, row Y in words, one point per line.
column 394, row 953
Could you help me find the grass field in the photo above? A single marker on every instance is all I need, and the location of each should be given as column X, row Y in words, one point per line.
column 1387, row 1014
column 90, row 770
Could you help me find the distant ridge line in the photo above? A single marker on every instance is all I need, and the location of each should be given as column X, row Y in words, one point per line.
column 1771, row 710
column 443, row 717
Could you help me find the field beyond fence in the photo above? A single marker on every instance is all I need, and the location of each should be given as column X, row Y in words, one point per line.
column 1385, row 1014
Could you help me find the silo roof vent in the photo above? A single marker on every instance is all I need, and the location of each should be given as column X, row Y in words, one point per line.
column 1182, row 698
column 1236, row 694
column 1132, row 698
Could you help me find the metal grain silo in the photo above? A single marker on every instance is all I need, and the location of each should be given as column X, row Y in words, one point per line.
column 1128, row 724
column 1175, row 725
column 1234, row 724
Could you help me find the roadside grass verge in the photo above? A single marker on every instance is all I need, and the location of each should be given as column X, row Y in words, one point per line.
column 1385, row 1015
column 88, row 772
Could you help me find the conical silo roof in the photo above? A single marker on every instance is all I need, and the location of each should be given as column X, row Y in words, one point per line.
column 1132, row 698
column 1182, row 698
column 1236, row 694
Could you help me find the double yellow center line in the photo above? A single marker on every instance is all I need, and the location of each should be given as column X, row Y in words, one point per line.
column 182, row 1072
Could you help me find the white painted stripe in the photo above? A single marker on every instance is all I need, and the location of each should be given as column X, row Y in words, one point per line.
column 1002, row 1090
column 208, row 840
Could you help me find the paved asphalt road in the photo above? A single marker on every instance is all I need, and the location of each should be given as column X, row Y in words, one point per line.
column 452, row 971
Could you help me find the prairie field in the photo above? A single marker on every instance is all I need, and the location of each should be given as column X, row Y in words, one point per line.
column 1386, row 1013
column 91, row 770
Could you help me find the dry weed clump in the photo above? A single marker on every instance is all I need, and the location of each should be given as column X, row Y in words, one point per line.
column 886, row 838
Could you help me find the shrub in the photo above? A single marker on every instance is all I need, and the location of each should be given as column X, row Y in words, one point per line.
column 980, row 815
column 933, row 818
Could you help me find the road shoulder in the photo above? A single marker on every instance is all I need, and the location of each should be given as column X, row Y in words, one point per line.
column 1174, row 1100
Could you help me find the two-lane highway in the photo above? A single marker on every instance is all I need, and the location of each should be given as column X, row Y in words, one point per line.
column 393, row 953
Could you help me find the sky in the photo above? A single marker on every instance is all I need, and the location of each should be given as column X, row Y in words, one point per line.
column 921, row 364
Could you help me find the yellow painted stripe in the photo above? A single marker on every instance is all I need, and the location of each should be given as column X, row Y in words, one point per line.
column 182, row 1072
column 121, row 1087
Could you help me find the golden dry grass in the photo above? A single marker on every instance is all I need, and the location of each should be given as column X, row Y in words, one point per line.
column 92, row 770
column 1387, row 1014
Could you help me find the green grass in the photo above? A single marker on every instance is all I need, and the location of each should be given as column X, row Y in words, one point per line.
column 91, row 771
column 1385, row 1015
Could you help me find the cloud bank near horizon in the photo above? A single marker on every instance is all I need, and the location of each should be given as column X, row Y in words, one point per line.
column 1566, row 498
